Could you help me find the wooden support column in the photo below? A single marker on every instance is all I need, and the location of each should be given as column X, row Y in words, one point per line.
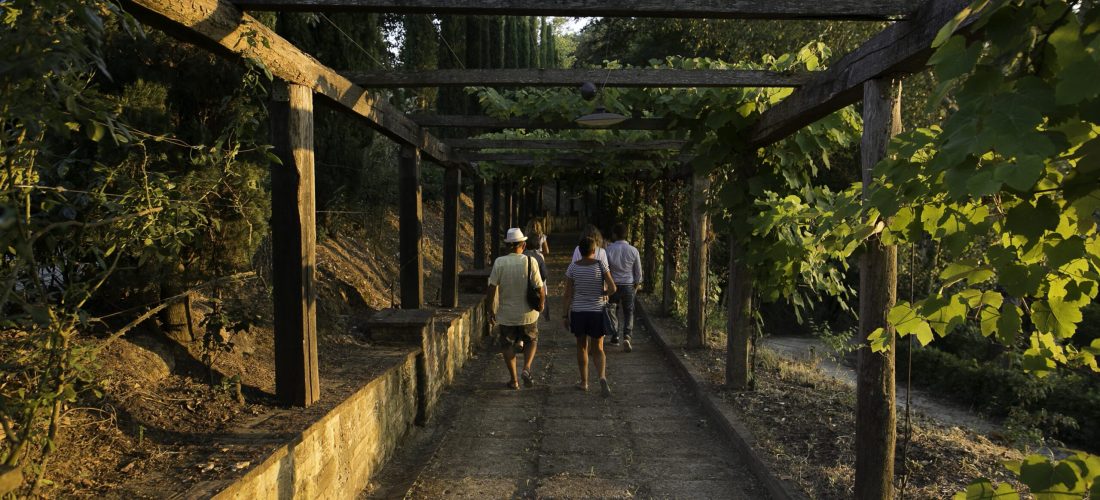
column 739, row 321
column 671, row 245
column 649, row 244
column 411, row 218
column 697, row 262
column 878, row 277
column 495, row 230
column 479, row 223
column 452, row 188
column 509, row 206
column 293, row 242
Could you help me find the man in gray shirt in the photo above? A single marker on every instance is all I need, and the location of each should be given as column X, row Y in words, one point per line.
column 626, row 271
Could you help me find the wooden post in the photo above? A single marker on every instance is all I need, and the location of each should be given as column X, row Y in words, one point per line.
column 878, row 276
column 410, row 224
column 452, row 188
column 697, row 262
column 739, row 321
column 293, row 242
column 671, row 217
column 649, row 245
column 479, row 223
column 524, row 208
column 509, row 207
column 495, row 230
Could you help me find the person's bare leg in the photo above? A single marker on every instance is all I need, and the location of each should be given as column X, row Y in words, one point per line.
column 599, row 358
column 582, row 359
column 529, row 353
column 510, row 363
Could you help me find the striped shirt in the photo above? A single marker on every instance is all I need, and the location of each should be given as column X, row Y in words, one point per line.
column 587, row 286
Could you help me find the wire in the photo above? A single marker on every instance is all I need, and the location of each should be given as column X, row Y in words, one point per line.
column 352, row 40
column 445, row 43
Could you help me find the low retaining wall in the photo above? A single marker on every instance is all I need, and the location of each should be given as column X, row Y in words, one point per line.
column 337, row 455
column 736, row 433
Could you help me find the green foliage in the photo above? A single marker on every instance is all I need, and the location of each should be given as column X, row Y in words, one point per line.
column 1076, row 476
column 1006, row 183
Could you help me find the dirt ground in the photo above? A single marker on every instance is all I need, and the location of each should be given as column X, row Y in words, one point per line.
column 804, row 425
column 167, row 422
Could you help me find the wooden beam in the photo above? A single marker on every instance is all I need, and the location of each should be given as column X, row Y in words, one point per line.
column 729, row 9
column 633, row 77
column 410, row 229
column 698, row 257
column 902, row 48
column 219, row 26
column 876, row 414
column 293, row 244
column 479, row 223
column 452, row 189
column 486, row 122
column 565, row 144
column 573, row 157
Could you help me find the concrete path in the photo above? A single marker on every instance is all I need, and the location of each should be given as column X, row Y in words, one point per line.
column 648, row 440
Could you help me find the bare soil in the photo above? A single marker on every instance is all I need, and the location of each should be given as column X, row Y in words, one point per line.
column 168, row 422
column 804, row 425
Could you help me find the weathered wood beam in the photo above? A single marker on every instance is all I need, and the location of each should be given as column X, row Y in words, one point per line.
column 698, row 259
column 574, row 157
column 637, row 78
column 565, row 144
column 486, row 122
column 728, row 9
column 452, row 189
column 219, row 26
column 410, row 229
column 479, row 223
column 902, row 48
column 293, row 247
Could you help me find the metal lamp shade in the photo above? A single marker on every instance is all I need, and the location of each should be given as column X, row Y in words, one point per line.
column 600, row 118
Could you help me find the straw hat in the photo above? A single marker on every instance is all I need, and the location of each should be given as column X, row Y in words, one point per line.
column 515, row 235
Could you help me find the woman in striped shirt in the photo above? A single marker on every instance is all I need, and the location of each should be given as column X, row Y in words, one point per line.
column 587, row 284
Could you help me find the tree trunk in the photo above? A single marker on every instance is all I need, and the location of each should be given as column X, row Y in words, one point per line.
column 649, row 245
column 876, row 416
column 671, row 246
column 174, row 318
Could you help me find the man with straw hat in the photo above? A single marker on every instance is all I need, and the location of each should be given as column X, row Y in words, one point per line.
column 512, row 275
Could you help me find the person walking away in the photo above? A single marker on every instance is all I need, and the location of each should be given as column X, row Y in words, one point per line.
column 591, row 231
column 587, row 284
column 537, row 225
column 534, row 233
column 509, row 308
column 626, row 270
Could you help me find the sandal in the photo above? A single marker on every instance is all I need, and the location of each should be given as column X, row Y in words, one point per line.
column 528, row 380
column 511, row 385
column 605, row 388
column 582, row 386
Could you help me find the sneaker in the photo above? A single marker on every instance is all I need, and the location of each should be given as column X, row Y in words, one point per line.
column 626, row 345
column 614, row 340
column 605, row 388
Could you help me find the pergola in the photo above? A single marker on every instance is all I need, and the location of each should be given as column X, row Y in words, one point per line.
column 223, row 26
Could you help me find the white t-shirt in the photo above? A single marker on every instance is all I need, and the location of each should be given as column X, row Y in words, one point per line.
column 601, row 255
column 509, row 275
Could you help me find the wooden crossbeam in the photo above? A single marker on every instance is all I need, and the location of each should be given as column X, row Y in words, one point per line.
column 562, row 144
column 574, row 77
column 726, row 9
column 487, row 122
column 902, row 48
column 575, row 157
column 219, row 26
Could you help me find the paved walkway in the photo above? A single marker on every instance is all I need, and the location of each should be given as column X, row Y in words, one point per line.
column 648, row 440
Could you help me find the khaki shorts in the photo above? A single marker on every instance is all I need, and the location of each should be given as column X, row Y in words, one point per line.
column 510, row 334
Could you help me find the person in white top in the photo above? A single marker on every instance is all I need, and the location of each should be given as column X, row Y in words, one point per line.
column 518, row 321
column 591, row 231
column 626, row 270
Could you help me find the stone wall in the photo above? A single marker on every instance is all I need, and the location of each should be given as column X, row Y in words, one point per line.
column 337, row 455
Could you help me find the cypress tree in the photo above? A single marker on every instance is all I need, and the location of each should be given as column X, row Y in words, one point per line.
column 451, row 52
column 523, row 54
column 544, row 44
column 496, row 42
column 420, row 51
column 511, row 43
column 533, row 58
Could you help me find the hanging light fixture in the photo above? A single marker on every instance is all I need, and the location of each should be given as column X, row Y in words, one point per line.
column 600, row 117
